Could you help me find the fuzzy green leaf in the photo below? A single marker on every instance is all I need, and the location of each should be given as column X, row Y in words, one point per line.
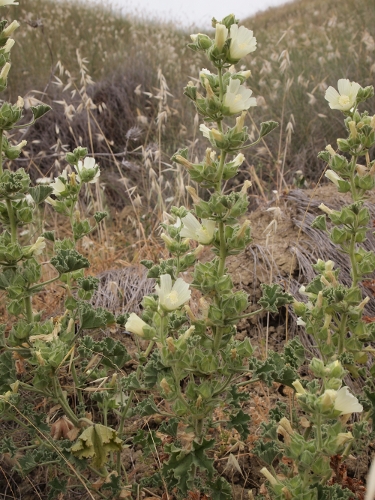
column 96, row 442
column 274, row 297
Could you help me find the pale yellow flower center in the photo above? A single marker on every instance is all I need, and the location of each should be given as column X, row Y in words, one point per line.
column 344, row 100
column 173, row 297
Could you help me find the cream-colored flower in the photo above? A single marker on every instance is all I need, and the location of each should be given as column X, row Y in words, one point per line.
column 221, row 35
column 87, row 170
column 298, row 387
column 11, row 28
column 239, row 159
column 58, row 186
column 346, row 403
column 205, row 130
column 135, row 325
column 8, row 45
column 346, row 96
column 203, row 233
column 172, row 297
column 333, row 177
column 242, row 42
column 237, row 97
column 38, row 247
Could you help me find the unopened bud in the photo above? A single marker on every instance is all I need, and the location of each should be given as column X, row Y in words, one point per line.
column 198, row 403
column 221, row 34
column 170, row 344
column 353, row 129
column 266, row 473
column 183, row 161
column 362, row 170
column 325, row 209
column 344, row 438
column 9, row 44
column 193, row 194
column 298, row 387
column 9, row 30
column 217, row 135
column 246, row 186
column 165, row 386
column 210, row 92
column 330, row 150
column 4, row 72
column 240, row 121
column 333, row 177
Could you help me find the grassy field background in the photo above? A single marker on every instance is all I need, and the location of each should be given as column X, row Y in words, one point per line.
column 116, row 84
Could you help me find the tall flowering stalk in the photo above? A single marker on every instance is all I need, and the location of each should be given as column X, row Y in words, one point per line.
column 198, row 365
column 333, row 315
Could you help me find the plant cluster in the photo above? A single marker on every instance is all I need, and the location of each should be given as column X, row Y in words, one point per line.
column 194, row 372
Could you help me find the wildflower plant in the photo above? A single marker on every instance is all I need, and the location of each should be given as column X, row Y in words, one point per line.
column 198, row 366
column 334, row 316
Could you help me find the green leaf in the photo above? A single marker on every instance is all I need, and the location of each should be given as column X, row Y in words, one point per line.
column 220, row 489
column 241, row 423
column 267, row 127
column 267, row 451
column 182, row 464
column 40, row 193
column 99, row 216
column 90, row 317
column 146, row 408
column 67, row 261
column 57, row 486
column 169, row 427
column 274, row 297
column 39, row 111
column 96, row 442
column 148, row 440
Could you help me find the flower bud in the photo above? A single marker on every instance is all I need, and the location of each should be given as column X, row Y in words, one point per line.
column 333, row 177
column 246, row 186
column 298, row 387
column 343, row 438
column 221, row 35
column 325, row 209
column 9, row 44
column 183, row 161
column 165, row 386
column 170, row 345
column 193, row 194
column 240, row 121
column 330, row 150
column 4, row 72
column 266, row 473
column 353, row 129
column 9, row 29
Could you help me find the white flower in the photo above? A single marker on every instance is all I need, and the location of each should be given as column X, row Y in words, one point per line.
column 205, row 130
column 221, row 34
column 7, row 2
column 172, row 298
column 38, row 247
column 333, row 177
column 58, row 186
column 87, row 170
column 4, row 72
column 346, row 96
column 242, row 42
column 239, row 159
column 346, row 403
column 237, row 97
column 203, row 233
column 300, row 322
column 135, row 325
